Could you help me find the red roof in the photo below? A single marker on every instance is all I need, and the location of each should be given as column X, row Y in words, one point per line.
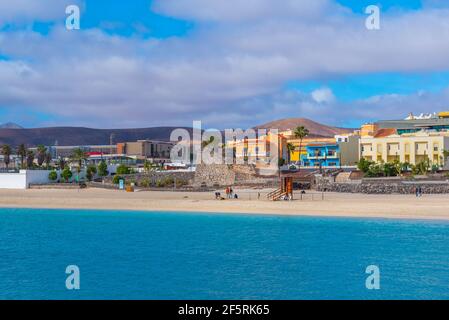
column 384, row 132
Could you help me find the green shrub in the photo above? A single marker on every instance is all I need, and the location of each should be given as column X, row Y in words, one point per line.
column 390, row 169
column 66, row 174
column 145, row 183
column 421, row 168
column 435, row 168
column 90, row 172
column 159, row 183
column 364, row 165
column 103, row 169
column 53, row 176
column 116, row 179
column 123, row 169
column 181, row 183
column 375, row 170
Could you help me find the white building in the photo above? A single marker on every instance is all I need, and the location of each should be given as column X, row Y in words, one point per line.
column 23, row 179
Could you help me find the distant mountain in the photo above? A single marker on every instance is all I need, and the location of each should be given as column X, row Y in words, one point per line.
column 315, row 128
column 73, row 136
column 10, row 125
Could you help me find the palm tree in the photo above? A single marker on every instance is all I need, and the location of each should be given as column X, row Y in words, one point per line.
column 41, row 152
column 78, row 156
column 22, row 153
column 62, row 163
column 48, row 159
column 300, row 133
column 290, row 149
column 6, row 151
column 30, row 159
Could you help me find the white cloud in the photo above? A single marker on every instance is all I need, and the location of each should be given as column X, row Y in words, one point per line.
column 229, row 73
column 242, row 11
column 323, row 95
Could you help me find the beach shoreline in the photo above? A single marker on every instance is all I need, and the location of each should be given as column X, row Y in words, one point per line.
column 429, row 207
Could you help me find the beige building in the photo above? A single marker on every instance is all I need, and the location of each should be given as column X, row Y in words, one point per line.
column 146, row 149
column 348, row 148
column 259, row 150
column 386, row 145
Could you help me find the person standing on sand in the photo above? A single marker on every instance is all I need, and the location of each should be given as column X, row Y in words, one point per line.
column 231, row 193
column 227, row 192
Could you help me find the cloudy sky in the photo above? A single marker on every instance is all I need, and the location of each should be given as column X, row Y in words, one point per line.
column 228, row 63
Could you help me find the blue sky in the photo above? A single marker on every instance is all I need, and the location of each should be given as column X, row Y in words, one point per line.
column 145, row 63
column 359, row 5
column 126, row 19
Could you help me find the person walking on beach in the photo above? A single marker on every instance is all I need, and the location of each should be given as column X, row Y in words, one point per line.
column 231, row 193
column 227, row 192
column 420, row 191
column 417, row 192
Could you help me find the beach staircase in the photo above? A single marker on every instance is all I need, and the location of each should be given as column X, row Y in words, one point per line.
column 276, row 194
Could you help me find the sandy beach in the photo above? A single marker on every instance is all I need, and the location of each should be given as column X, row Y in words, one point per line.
column 312, row 204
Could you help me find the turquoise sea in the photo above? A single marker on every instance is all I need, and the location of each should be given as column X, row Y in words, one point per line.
column 135, row 255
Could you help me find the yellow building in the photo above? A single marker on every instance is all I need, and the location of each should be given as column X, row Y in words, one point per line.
column 368, row 129
column 386, row 145
column 258, row 150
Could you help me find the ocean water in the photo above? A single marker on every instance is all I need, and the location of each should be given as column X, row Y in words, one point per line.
column 135, row 255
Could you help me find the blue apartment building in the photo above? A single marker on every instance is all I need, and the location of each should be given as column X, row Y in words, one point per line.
column 325, row 155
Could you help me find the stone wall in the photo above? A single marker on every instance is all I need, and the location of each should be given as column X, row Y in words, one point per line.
column 232, row 175
column 385, row 187
column 214, row 175
column 152, row 177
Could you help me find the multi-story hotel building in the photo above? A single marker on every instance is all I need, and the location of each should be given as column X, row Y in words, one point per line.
column 412, row 140
column 387, row 146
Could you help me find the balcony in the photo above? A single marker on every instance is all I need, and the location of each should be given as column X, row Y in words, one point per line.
column 334, row 155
